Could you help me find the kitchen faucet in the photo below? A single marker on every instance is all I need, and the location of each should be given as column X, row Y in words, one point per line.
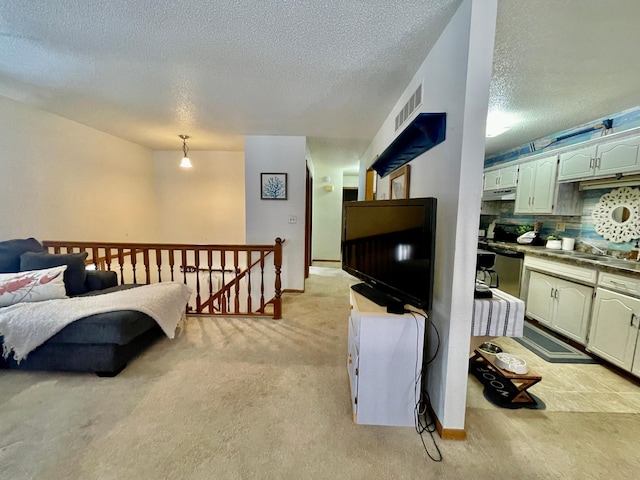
column 599, row 250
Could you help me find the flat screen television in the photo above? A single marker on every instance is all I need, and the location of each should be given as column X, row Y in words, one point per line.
column 390, row 246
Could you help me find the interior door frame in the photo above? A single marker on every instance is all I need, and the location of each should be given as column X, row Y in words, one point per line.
column 308, row 210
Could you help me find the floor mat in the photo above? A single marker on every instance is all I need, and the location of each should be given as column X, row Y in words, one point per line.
column 549, row 348
column 500, row 391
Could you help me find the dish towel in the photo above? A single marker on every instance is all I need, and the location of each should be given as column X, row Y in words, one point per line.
column 26, row 326
column 500, row 316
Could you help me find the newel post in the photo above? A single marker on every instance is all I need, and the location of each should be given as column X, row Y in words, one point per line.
column 277, row 262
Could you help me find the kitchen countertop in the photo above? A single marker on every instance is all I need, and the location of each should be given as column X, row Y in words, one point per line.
column 605, row 263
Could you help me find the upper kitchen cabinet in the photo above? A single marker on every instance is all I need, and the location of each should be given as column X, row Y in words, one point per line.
column 577, row 164
column 603, row 159
column 500, row 178
column 538, row 191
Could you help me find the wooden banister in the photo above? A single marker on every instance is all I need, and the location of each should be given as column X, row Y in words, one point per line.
column 235, row 264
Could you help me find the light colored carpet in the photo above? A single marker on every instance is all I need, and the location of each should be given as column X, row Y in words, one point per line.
column 258, row 398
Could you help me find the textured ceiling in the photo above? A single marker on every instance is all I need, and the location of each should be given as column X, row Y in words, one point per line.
column 561, row 63
column 331, row 70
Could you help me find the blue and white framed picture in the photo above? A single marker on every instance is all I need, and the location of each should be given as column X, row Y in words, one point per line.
column 273, row 186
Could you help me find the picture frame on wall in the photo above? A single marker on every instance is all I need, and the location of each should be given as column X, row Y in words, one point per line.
column 399, row 183
column 273, row 186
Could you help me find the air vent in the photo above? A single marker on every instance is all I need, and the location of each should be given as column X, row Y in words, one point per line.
column 414, row 102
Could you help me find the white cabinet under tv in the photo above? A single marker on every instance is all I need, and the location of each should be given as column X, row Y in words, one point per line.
column 384, row 360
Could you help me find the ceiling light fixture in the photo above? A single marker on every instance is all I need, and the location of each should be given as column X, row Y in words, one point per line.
column 499, row 122
column 185, row 162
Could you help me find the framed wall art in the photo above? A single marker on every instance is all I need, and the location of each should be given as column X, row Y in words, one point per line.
column 273, row 186
column 399, row 183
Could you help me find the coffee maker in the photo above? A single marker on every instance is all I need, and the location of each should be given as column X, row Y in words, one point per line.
column 486, row 277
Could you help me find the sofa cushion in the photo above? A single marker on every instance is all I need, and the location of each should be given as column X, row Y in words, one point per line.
column 74, row 276
column 10, row 251
column 119, row 327
column 100, row 279
column 32, row 286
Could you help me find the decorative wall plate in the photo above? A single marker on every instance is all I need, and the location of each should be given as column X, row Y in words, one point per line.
column 617, row 215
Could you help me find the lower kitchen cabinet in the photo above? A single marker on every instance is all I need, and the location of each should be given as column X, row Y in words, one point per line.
column 614, row 329
column 559, row 304
column 384, row 359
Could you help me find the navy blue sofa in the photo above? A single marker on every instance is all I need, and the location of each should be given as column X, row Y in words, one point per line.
column 102, row 343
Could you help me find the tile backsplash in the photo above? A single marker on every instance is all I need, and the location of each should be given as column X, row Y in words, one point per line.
column 579, row 227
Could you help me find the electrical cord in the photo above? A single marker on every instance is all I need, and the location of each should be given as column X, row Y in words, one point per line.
column 423, row 406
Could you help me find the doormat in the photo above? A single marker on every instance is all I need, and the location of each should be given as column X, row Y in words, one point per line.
column 550, row 348
column 499, row 391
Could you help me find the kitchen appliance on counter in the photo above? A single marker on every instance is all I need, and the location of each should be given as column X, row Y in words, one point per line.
column 486, row 277
column 508, row 261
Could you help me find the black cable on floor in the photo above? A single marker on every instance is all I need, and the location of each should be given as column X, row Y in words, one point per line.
column 422, row 407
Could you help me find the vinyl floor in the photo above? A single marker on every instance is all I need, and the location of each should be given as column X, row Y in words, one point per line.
column 568, row 387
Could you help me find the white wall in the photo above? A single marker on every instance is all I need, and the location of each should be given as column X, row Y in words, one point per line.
column 268, row 219
column 350, row 181
column 456, row 76
column 327, row 213
column 60, row 180
column 203, row 204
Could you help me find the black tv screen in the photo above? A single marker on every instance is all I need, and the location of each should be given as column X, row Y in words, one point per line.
column 390, row 245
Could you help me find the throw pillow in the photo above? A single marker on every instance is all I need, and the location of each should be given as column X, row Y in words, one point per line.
column 10, row 251
column 74, row 276
column 33, row 286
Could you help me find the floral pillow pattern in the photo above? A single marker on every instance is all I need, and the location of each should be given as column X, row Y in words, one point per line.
column 32, row 286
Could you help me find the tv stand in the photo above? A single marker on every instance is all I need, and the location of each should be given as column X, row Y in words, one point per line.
column 376, row 296
column 384, row 358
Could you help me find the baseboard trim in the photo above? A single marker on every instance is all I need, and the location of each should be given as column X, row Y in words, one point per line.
column 292, row 290
column 321, row 260
column 447, row 433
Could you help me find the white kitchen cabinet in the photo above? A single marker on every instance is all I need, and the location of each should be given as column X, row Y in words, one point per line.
column 635, row 367
column 577, row 164
column 619, row 156
column 500, row 178
column 535, row 192
column 616, row 320
column 614, row 328
column 603, row 159
column 562, row 305
column 538, row 191
column 384, row 360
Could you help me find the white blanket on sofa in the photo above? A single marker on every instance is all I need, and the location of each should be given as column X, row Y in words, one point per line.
column 26, row 326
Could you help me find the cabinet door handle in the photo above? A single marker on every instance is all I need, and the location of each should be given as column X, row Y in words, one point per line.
column 552, row 289
column 592, row 163
column 633, row 317
column 598, row 162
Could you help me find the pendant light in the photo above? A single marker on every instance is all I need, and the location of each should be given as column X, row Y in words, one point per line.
column 185, row 162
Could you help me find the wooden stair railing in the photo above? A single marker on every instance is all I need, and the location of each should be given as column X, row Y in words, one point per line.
column 223, row 295
column 236, row 268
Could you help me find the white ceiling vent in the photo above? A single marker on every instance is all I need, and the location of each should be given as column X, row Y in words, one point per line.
column 414, row 102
